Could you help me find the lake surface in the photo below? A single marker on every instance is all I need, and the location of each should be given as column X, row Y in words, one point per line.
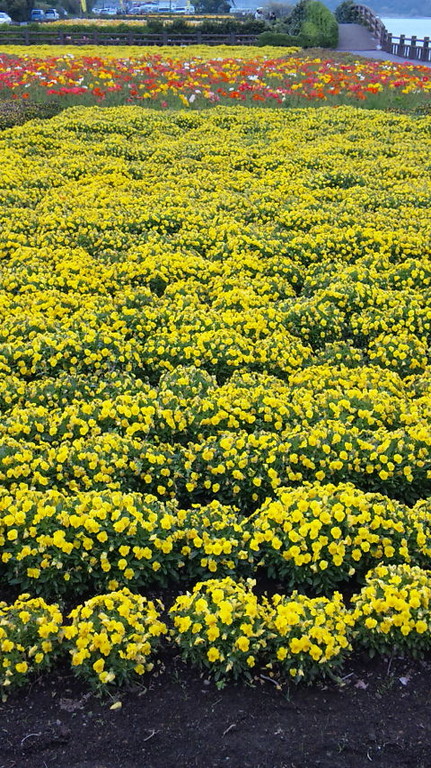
column 419, row 27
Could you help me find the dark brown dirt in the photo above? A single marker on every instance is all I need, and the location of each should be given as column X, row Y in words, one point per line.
column 380, row 715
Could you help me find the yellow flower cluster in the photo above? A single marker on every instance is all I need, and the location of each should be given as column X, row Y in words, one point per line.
column 403, row 352
column 308, row 637
column 54, row 543
column 393, row 610
column 220, row 625
column 237, row 467
column 420, row 517
column 215, row 541
column 30, row 637
column 112, row 637
column 319, row 535
column 108, row 461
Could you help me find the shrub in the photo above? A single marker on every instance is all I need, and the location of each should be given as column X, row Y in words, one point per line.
column 297, row 17
column 310, row 35
column 402, row 352
column 277, row 39
column 18, row 112
column 314, row 24
column 420, row 531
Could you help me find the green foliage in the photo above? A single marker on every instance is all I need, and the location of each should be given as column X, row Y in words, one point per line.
column 346, row 12
column 320, row 27
column 175, row 28
column 297, row 17
column 18, row 112
column 228, row 26
column 277, row 38
column 309, row 35
column 279, row 10
column 155, row 26
column 212, row 6
column 18, row 10
column 313, row 25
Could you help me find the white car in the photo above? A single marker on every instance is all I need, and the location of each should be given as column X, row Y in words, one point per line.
column 5, row 19
column 52, row 15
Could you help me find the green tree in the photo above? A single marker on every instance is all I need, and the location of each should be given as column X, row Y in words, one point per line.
column 297, row 17
column 212, row 6
column 346, row 12
column 277, row 8
column 18, row 10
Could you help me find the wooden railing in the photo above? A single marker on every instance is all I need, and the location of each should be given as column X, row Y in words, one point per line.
column 406, row 47
column 371, row 20
column 108, row 36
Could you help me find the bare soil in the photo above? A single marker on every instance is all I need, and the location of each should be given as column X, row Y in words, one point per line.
column 379, row 715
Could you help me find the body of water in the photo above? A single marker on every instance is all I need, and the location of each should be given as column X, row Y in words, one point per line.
column 408, row 27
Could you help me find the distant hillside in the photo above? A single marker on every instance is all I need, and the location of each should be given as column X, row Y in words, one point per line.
column 401, row 8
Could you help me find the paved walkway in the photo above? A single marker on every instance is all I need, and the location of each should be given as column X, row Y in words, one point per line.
column 383, row 56
column 357, row 39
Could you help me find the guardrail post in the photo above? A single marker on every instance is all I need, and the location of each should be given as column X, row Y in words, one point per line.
column 426, row 49
column 26, row 37
column 130, row 38
column 198, row 37
column 164, row 36
column 413, row 49
column 402, row 45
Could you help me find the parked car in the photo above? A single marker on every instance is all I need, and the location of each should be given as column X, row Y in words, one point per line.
column 52, row 15
column 5, row 19
column 37, row 15
column 105, row 11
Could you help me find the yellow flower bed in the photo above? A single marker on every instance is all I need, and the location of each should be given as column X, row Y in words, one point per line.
column 215, row 359
column 175, row 52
